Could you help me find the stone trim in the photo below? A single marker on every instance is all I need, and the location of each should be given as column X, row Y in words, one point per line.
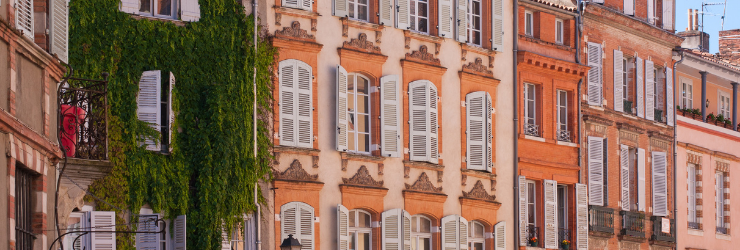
column 629, row 127
column 362, row 178
column 694, row 158
column 597, row 120
column 422, row 55
column 361, row 44
column 479, row 192
column 295, row 172
column 423, row 184
column 295, row 32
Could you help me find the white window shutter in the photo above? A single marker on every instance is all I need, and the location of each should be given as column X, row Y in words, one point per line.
column 402, row 14
column 291, row 4
column 522, row 211
column 130, row 6
column 287, row 102
column 390, row 116
column 596, row 171
column 341, row 8
column 102, row 221
column 226, row 239
column 669, row 95
column 640, row 88
column 651, row 11
column 641, row 179
column 497, row 26
column 500, row 238
column 24, row 17
column 450, row 232
column 180, row 232
column 660, row 184
column 599, row 1
column 59, row 29
column 148, row 241
column 625, row 173
column 289, row 221
column 581, row 216
column 692, row 192
column 649, row 90
column 148, row 101
column 406, row 226
column 461, row 22
column 446, row 16
column 307, row 5
column 594, row 74
column 386, row 12
column 551, row 215
column 419, row 121
column 476, row 130
column 342, row 126
column 250, row 239
column 618, row 81
column 306, row 214
column 433, row 124
column 392, row 234
column 189, row 10
column 170, row 112
column 489, row 133
column 629, row 7
column 343, row 236
column 463, row 233
column 304, row 105
column 668, row 14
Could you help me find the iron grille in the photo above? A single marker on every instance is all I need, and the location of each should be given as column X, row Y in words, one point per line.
column 83, row 120
column 564, row 136
column 532, row 130
column 24, row 235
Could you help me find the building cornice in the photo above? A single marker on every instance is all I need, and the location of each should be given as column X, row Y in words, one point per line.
column 631, row 25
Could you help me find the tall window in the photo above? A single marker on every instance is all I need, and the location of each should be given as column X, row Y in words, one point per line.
column 24, row 208
column 358, row 111
column 421, row 233
column 719, row 201
column 531, row 208
column 474, row 22
column 559, row 31
column 476, row 236
column 528, row 23
column 358, row 9
column 562, row 106
column 530, row 110
column 159, row 8
column 724, row 104
column 693, row 222
column 419, row 15
column 625, row 80
column 563, row 232
column 634, row 179
column 359, row 230
column 687, row 95
column 656, row 87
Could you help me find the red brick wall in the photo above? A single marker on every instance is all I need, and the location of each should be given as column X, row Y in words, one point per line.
column 729, row 45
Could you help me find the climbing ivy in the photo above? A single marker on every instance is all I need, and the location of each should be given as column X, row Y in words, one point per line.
column 211, row 173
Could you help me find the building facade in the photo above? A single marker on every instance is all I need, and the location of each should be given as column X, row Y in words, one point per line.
column 628, row 130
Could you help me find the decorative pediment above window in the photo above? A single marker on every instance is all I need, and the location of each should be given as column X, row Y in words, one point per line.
column 363, row 178
column 422, row 55
column 479, row 192
column 296, row 172
column 295, row 31
column 362, row 44
column 630, row 128
column 478, row 67
column 598, row 120
column 423, row 184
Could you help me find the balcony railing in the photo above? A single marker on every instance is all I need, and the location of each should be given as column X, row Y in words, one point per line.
column 564, row 136
column 694, row 225
column 627, row 107
column 533, row 236
column 601, row 219
column 658, row 115
column 722, row 230
column 658, row 233
column 83, row 118
column 563, row 235
column 532, row 130
column 633, row 224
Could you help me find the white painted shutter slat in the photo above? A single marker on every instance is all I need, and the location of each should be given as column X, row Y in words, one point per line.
column 102, row 221
column 304, row 105
column 342, row 125
column 463, row 233
column 651, row 12
column 551, row 215
column 581, row 216
column 24, row 17
column 625, row 173
column 618, row 81
column 130, row 6
column 180, row 234
column 640, row 88
column 641, row 179
column 594, row 74
column 402, row 14
column 461, row 22
column 392, row 234
column 489, row 133
column 629, row 7
column 649, row 90
column 669, row 96
column 306, row 227
column 450, row 232
column 343, row 236
column 660, row 184
column 433, row 124
column 497, row 26
column 446, row 18
column 226, row 239
column 190, row 10
column 341, row 8
column 287, row 102
column 59, row 29
column 476, row 130
column 599, row 1
column 418, row 122
column 148, row 241
column 668, row 14
column 289, row 221
column 171, row 113
column 390, row 116
column 522, row 210
column 386, row 12
column 406, row 223
column 500, row 237
column 691, row 170
column 148, row 101
column 596, row 171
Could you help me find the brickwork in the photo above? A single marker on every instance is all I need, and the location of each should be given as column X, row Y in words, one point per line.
column 696, row 159
column 729, row 45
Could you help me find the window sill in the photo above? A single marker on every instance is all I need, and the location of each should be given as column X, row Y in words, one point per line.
column 408, row 34
column 360, row 24
column 569, row 144
column 696, row 232
column 361, row 157
column 279, row 10
column 480, row 173
column 177, row 22
column 296, row 150
column 423, row 165
column 534, row 138
column 721, row 236
column 477, row 49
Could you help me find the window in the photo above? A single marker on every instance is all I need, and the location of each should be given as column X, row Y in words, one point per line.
column 419, row 15
column 476, row 236
column 719, row 201
column 358, row 114
column 562, row 106
column 359, row 230
column 528, row 23
column 297, row 218
column 474, row 22
column 531, row 206
column 24, row 17
column 597, row 173
column 563, row 229
column 724, row 105
column 687, row 95
column 478, row 131
column 530, row 110
column 242, row 236
column 423, row 122
column 625, row 81
column 421, row 233
column 358, row 9
column 296, row 104
column 629, row 7
column 595, row 74
column 656, row 87
column 24, row 194
column 158, row 8
column 693, row 220
column 559, row 31
column 172, row 236
column 155, row 107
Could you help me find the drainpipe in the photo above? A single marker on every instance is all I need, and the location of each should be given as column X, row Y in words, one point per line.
column 580, row 82
column 515, row 49
column 257, row 212
column 675, row 136
column 703, row 95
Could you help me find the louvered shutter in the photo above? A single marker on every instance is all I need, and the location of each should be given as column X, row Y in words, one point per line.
column 289, row 221
column 304, row 104
column 385, row 12
column 500, row 237
column 250, row 237
column 446, row 18
column 522, row 210
column 433, row 124
column 390, row 116
column 402, row 14
column 660, row 184
column 102, row 221
column 225, row 239
column 341, row 8
column 179, row 236
column 596, row 171
column 59, row 29
column 551, row 215
column 190, row 10
column 629, row 7
column 130, row 6
column 649, row 90
column 463, row 233
column 148, row 241
column 641, row 179
column 581, row 216
column 640, row 88
column 691, row 170
column 450, row 232
column 625, row 172
column 476, row 130
column 148, row 101
column 668, row 15
column 171, row 113
column 392, row 234
column 343, row 236
column 76, row 242
column 599, row 1
column 306, row 226
column 489, row 133
column 288, row 96
column 594, row 74
column 497, row 26
column 669, row 95
column 296, row 4
column 618, row 81
column 651, row 11
column 419, row 122
column 341, row 109
column 24, row 17
column 406, row 223
column 462, row 21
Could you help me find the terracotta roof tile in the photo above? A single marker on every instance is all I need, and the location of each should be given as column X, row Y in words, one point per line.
column 714, row 58
column 562, row 4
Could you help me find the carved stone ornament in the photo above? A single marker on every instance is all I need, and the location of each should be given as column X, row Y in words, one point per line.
column 406, row 172
column 479, row 192
column 478, row 66
column 407, row 42
column 378, row 35
column 380, row 168
column 424, row 184
column 278, row 17
column 491, row 59
column 361, row 43
column 363, row 178
column 296, row 172
column 295, row 31
column 314, row 23
column 423, row 55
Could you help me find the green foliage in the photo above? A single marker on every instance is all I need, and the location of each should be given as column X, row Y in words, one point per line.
column 211, row 173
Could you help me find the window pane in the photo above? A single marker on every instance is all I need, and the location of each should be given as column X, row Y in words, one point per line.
column 477, row 246
column 362, row 103
column 363, row 241
column 165, row 7
column 425, row 225
column 478, row 228
column 426, row 244
column 364, row 220
column 352, row 218
column 362, row 12
column 362, row 85
column 145, row 6
column 363, row 125
column 414, row 227
column 352, row 10
column 351, row 141
column 352, row 242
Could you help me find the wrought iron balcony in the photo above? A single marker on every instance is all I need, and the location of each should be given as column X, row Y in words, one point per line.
column 532, row 130
column 722, row 230
column 694, row 225
column 658, row 115
column 601, row 219
column 563, row 235
column 658, row 233
column 533, row 236
column 633, row 224
column 627, row 107
column 564, row 136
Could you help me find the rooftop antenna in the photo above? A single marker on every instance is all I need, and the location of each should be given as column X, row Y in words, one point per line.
column 723, row 16
column 705, row 11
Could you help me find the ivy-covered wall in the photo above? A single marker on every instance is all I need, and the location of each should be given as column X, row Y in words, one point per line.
column 211, row 173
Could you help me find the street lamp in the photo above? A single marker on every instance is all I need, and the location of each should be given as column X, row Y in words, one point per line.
column 290, row 243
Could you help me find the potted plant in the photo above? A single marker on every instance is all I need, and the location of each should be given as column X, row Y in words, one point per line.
column 711, row 118
column 728, row 123
column 719, row 120
column 565, row 244
column 533, row 242
column 696, row 114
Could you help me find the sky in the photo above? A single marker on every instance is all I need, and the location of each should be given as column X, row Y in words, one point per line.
column 712, row 24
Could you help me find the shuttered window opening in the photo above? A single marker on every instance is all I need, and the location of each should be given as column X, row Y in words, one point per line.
column 687, row 94
column 353, row 9
column 24, row 17
column 523, row 213
column 185, row 10
column 454, row 232
column 499, row 231
column 101, row 221
column 396, row 231
column 594, row 74
column 596, row 169
column 474, row 22
column 390, row 116
column 242, row 236
column 105, row 221
column 74, row 224
column 385, row 12
column 531, row 229
column 497, row 25
column 24, row 200
column 619, row 81
column 670, row 119
column 446, row 18
column 297, row 218
column 529, row 23
column 59, row 28
column 724, row 104
column 640, row 88
column 625, row 177
column 298, row 4
column 531, row 126
column 562, row 116
column 641, row 202
column 650, row 79
column 660, row 184
column 358, row 108
column 154, row 240
column 476, row 235
column 581, row 233
column 551, row 215
column 423, row 123
column 559, row 31
column 564, row 232
column 154, row 106
column 479, row 131
column 719, row 202
column 692, row 220
column 355, row 231
column 421, row 233
column 418, row 15
column 296, row 104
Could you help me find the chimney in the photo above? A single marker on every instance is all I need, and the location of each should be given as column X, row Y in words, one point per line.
column 696, row 19
column 691, row 21
column 729, row 45
column 694, row 38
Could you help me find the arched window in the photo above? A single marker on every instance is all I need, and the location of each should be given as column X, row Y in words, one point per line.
column 297, row 218
column 476, row 236
column 421, row 233
column 358, row 113
column 359, row 230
